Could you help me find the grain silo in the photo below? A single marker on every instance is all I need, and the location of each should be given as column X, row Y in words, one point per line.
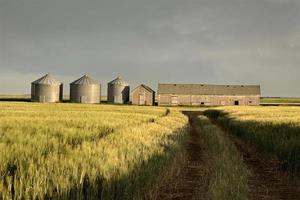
column 118, row 91
column 85, row 90
column 46, row 89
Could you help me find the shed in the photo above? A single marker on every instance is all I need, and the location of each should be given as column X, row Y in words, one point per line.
column 143, row 95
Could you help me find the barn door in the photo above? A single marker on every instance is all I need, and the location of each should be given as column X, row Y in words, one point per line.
column 174, row 100
column 142, row 99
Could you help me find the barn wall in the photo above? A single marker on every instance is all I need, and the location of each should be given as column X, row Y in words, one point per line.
column 209, row 100
column 149, row 96
column 163, row 99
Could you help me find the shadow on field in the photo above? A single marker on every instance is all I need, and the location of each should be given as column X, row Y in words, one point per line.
column 281, row 140
column 256, row 141
column 15, row 99
column 134, row 184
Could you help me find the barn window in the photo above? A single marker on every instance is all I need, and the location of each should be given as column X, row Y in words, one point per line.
column 250, row 102
column 202, row 103
column 236, row 103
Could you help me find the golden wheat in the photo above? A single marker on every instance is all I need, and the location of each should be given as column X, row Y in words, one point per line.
column 74, row 151
column 274, row 130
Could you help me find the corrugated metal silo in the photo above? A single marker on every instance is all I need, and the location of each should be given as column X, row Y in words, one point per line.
column 85, row 90
column 46, row 89
column 118, row 91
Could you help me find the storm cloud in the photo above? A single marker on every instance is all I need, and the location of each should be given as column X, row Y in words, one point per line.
column 151, row 41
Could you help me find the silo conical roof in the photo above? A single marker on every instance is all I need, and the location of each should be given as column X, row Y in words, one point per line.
column 47, row 80
column 85, row 80
column 118, row 81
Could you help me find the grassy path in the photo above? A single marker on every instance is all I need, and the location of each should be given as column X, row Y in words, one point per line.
column 212, row 168
column 191, row 181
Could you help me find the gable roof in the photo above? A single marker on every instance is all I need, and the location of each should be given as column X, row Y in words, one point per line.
column 144, row 86
column 47, row 80
column 201, row 89
column 85, row 80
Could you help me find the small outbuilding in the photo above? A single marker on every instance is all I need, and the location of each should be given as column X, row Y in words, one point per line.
column 46, row 89
column 118, row 91
column 143, row 95
column 85, row 90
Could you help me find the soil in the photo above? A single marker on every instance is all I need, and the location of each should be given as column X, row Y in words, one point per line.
column 267, row 179
column 192, row 180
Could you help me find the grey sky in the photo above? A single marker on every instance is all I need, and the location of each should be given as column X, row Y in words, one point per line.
column 151, row 41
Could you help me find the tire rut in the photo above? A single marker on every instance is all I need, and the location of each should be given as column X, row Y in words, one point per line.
column 192, row 180
column 267, row 179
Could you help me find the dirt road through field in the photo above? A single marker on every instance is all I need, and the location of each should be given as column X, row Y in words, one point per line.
column 192, row 181
column 267, row 180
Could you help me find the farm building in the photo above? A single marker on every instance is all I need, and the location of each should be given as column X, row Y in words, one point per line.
column 85, row 90
column 46, row 89
column 213, row 95
column 118, row 91
column 143, row 95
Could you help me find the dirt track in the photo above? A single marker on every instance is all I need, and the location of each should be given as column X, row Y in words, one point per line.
column 191, row 182
column 267, row 180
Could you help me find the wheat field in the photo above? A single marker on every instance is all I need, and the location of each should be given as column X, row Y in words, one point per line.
column 274, row 130
column 74, row 151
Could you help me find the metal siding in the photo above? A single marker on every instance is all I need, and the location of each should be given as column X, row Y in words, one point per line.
column 85, row 93
column 118, row 93
column 45, row 93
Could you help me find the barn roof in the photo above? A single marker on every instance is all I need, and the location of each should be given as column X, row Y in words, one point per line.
column 85, row 80
column 144, row 86
column 47, row 80
column 204, row 89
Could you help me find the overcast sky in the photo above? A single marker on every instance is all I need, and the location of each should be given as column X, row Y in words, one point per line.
column 151, row 41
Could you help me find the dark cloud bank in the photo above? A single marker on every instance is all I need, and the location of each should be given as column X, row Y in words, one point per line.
column 151, row 41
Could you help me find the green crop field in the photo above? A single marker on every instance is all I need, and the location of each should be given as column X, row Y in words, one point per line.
column 73, row 151
column 278, row 100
